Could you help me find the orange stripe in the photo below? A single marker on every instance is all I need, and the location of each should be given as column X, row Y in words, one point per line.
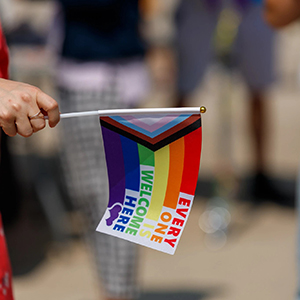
column 175, row 173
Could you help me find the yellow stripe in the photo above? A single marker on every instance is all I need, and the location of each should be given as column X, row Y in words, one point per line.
column 161, row 174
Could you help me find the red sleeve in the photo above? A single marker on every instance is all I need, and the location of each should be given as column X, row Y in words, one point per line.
column 6, row 292
column 3, row 56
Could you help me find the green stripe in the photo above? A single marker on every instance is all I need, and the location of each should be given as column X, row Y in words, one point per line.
column 146, row 156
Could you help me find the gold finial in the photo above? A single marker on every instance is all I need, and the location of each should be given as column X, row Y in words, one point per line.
column 202, row 109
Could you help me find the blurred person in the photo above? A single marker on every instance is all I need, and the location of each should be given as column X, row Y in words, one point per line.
column 280, row 13
column 22, row 111
column 253, row 51
column 101, row 65
column 7, row 16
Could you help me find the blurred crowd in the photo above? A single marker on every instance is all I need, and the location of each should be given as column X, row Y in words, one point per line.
column 91, row 55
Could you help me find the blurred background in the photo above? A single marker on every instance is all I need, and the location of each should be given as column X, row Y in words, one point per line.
column 235, row 246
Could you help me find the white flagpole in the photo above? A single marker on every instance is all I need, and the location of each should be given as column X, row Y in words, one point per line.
column 114, row 112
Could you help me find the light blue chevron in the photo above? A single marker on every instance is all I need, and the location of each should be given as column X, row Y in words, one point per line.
column 155, row 133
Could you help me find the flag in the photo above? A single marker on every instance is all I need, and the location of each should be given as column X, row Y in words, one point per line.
column 152, row 165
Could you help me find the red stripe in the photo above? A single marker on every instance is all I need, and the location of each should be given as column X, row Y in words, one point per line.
column 192, row 155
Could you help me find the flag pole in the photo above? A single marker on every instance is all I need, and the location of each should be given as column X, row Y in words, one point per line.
column 114, row 112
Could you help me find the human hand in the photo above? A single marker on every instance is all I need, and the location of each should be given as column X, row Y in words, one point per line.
column 23, row 107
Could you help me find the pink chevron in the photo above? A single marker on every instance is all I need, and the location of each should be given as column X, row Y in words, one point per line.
column 149, row 127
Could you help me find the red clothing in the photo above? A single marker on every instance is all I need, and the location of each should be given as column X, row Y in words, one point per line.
column 3, row 56
column 5, row 269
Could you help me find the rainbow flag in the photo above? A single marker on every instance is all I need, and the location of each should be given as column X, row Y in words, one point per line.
column 152, row 163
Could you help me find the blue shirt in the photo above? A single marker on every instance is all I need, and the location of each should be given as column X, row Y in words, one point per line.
column 100, row 30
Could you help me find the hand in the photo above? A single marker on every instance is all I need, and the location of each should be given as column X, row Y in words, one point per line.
column 20, row 101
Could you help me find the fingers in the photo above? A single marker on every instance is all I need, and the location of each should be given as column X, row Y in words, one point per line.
column 50, row 106
column 19, row 107
column 23, row 125
column 20, row 120
column 10, row 128
column 37, row 121
column 7, row 121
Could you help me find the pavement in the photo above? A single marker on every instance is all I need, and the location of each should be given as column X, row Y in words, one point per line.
column 257, row 261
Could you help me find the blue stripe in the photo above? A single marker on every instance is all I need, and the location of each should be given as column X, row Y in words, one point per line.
column 131, row 163
column 155, row 133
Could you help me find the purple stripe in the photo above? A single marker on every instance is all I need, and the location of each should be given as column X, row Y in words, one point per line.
column 115, row 166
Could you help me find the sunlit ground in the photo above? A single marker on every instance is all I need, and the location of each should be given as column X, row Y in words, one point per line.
column 257, row 262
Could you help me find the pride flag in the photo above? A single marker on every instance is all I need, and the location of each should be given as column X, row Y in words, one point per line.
column 152, row 164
